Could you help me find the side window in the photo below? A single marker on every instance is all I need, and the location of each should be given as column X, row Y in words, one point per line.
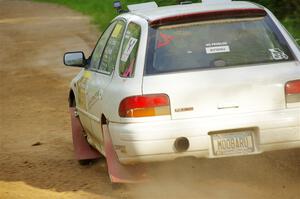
column 111, row 51
column 129, row 50
column 95, row 60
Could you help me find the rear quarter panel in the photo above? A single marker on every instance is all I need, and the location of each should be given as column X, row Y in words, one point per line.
column 120, row 88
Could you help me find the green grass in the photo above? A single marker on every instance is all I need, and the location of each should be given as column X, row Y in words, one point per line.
column 102, row 11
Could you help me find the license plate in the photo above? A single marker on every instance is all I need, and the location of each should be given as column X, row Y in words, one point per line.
column 236, row 143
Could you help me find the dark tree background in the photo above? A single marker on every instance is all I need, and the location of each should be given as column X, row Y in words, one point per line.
column 287, row 11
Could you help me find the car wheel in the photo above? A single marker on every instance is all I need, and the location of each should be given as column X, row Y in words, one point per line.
column 85, row 162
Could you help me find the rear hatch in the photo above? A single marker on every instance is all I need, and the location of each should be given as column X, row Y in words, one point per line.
column 224, row 91
column 215, row 66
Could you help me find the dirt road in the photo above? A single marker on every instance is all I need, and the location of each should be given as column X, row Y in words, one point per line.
column 34, row 111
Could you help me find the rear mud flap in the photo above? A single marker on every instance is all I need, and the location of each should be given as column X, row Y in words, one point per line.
column 118, row 172
column 83, row 151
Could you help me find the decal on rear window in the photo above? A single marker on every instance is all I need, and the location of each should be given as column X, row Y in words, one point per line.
column 164, row 40
column 128, row 49
column 219, row 47
column 278, row 54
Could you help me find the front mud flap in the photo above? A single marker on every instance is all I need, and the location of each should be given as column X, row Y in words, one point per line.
column 118, row 172
column 83, row 151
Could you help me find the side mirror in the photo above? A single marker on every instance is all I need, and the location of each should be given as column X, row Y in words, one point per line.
column 76, row 59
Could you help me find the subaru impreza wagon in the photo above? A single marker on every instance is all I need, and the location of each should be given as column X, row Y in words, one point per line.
column 212, row 79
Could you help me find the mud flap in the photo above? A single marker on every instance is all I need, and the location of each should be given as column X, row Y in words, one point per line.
column 118, row 172
column 83, row 151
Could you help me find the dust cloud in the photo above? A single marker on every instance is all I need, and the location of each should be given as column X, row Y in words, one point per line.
column 270, row 175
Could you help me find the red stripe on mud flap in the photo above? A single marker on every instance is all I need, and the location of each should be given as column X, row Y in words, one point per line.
column 83, row 150
column 118, row 172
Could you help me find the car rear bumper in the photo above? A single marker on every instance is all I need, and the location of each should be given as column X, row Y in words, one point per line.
column 154, row 141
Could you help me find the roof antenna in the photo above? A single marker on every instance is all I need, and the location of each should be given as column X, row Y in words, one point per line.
column 118, row 7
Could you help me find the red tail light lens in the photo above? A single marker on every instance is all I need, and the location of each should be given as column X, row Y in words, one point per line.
column 293, row 87
column 145, row 106
column 292, row 91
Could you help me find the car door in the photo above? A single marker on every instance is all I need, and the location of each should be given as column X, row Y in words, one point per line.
column 82, row 85
column 101, row 78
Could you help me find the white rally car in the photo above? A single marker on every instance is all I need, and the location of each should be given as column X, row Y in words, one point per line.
column 212, row 79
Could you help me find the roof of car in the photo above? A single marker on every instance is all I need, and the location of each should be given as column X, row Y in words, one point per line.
column 169, row 11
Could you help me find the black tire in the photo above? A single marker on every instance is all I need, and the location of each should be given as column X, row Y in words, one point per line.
column 88, row 161
column 85, row 162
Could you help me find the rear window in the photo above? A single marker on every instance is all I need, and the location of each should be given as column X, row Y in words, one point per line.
column 215, row 44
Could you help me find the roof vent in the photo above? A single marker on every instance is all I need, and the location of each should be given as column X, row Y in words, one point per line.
column 142, row 6
column 216, row 1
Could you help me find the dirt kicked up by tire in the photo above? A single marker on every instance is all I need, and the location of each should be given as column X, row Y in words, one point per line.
column 36, row 151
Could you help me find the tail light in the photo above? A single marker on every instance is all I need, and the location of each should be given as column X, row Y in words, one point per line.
column 292, row 91
column 145, row 106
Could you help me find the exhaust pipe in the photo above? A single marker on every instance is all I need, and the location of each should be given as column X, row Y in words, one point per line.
column 181, row 144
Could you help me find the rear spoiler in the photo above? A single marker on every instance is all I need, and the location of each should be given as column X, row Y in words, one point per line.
column 209, row 15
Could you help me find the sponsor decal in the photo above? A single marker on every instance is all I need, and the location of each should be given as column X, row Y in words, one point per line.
column 218, row 47
column 128, row 49
column 278, row 54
